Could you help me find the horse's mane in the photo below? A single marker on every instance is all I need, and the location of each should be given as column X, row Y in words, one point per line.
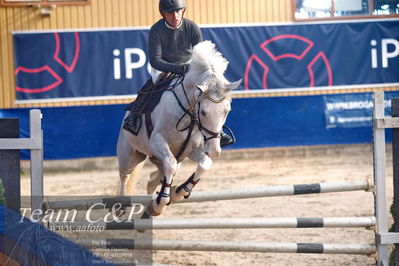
column 205, row 57
column 208, row 66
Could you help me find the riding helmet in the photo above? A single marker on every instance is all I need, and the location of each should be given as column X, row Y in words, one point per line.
column 166, row 6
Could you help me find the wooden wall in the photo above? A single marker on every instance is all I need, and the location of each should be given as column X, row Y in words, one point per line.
column 120, row 13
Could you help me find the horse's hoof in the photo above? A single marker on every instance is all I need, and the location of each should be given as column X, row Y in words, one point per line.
column 146, row 215
column 177, row 196
column 151, row 210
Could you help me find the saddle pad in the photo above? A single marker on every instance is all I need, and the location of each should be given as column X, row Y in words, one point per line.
column 149, row 97
column 153, row 96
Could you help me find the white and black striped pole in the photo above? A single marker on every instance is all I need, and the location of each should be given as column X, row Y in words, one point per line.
column 230, row 194
column 272, row 191
column 216, row 223
column 227, row 246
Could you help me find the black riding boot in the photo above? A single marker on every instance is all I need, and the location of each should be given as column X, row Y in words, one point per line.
column 225, row 139
column 132, row 122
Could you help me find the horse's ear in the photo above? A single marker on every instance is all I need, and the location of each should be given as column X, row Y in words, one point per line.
column 233, row 85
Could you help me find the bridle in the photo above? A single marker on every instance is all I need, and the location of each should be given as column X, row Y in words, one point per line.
column 194, row 114
column 197, row 120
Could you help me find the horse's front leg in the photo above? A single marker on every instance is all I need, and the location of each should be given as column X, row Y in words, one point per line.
column 184, row 190
column 160, row 149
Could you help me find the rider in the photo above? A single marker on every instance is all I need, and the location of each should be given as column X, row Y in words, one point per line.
column 169, row 44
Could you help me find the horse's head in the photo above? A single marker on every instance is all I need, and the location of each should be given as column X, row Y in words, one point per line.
column 206, row 78
column 213, row 106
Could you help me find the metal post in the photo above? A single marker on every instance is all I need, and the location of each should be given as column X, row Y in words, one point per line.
column 379, row 178
column 36, row 160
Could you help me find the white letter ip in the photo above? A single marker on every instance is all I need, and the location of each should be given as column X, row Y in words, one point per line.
column 129, row 65
column 385, row 54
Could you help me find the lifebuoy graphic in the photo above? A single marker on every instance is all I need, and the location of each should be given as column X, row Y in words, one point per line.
column 26, row 73
column 276, row 49
column 58, row 47
column 45, row 78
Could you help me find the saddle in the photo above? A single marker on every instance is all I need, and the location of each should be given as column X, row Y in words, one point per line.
column 147, row 99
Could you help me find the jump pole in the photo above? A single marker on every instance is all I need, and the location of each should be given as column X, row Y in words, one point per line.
column 228, row 246
column 246, row 193
column 218, row 223
column 231, row 194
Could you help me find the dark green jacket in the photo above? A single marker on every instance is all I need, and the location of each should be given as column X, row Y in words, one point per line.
column 169, row 48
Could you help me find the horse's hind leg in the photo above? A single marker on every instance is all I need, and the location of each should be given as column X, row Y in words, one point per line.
column 132, row 180
column 155, row 179
column 129, row 167
column 130, row 162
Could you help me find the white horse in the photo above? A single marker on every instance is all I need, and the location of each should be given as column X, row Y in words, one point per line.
column 187, row 123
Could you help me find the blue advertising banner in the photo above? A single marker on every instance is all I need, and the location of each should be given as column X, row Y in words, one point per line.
column 353, row 110
column 79, row 64
column 115, row 63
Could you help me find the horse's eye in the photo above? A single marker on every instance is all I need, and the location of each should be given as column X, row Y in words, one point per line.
column 203, row 113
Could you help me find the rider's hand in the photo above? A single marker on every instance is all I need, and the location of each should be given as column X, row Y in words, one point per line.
column 186, row 68
column 182, row 69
